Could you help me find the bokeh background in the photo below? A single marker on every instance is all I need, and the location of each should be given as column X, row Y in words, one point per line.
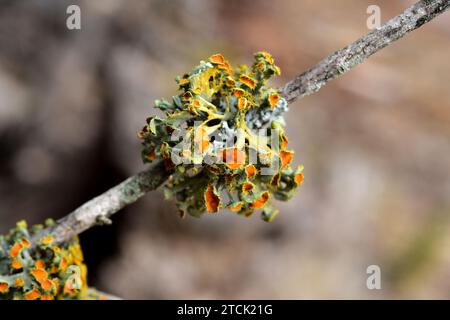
column 375, row 144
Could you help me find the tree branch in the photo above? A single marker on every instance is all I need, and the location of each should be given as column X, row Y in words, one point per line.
column 343, row 60
column 99, row 209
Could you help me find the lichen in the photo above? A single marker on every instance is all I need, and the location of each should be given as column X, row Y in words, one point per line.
column 223, row 135
column 46, row 271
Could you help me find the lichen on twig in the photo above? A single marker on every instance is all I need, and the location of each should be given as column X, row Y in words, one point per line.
column 33, row 264
column 210, row 135
column 306, row 83
column 48, row 271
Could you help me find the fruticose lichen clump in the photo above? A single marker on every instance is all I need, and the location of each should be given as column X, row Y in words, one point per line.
column 224, row 138
column 46, row 271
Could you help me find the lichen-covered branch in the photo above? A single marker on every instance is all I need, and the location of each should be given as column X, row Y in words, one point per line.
column 343, row 60
column 98, row 210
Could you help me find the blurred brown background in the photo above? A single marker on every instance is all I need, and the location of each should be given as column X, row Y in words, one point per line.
column 375, row 144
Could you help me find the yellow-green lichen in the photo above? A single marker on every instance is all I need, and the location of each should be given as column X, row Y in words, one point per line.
column 45, row 271
column 223, row 135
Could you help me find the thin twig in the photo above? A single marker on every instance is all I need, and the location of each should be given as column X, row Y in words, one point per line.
column 343, row 60
column 99, row 209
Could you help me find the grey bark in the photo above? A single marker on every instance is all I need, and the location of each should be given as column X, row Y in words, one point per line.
column 99, row 209
column 343, row 60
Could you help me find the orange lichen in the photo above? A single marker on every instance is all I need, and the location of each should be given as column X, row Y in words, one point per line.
column 226, row 66
column 250, row 171
column 47, row 297
column 15, row 250
column 32, row 295
column 286, row 158
column 230, row 82
column 242, row 103
column 238, row 92
column 39, row 264
column 54, row 269
column 16, row 264
column 183, row 82
column 212, row 201
column 4, row 287
column 236, row 207
column 275, row 180
column 298, row 178
column 261, row 201
column 25, row 243
column 39, row 274
column 247, row 186
column 187, row 96
column 217, row 59
column 63, row 264
column 248, row 81
column 196, row 103
column 19, row 282
column 151, row 155
column 273, row 99
column 46, row 285
column 284, row 141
